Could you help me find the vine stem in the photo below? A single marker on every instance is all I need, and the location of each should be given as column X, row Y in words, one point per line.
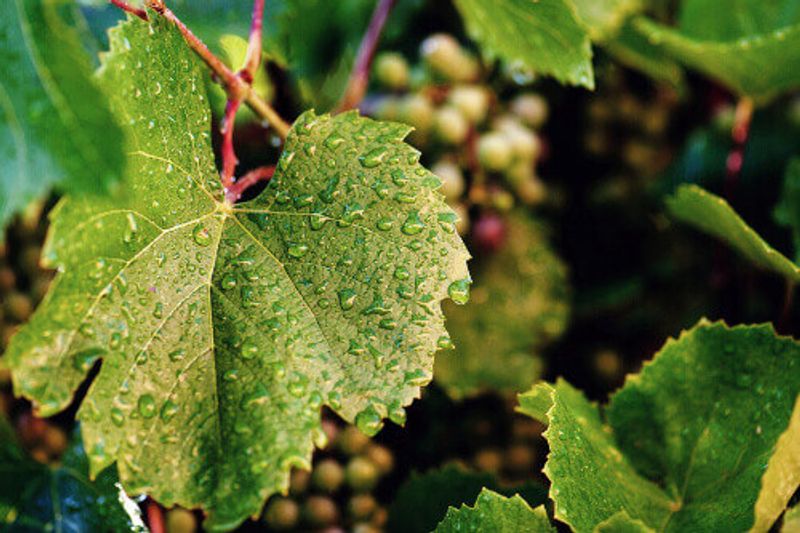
column 359, row 78
column 235, row 192
column 743, row 117
column 155, row 517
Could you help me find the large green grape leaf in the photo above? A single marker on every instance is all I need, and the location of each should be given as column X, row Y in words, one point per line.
column 546, row 36
column 791, row 520
column 36, row 497
column 622, row 523
column 713, row 215
column 55, row 125
column 223, row 329
column 493, row 512
column 703, row 439
column 519, row 302
column 422, row 501
column 604, row 18
column 751, row 46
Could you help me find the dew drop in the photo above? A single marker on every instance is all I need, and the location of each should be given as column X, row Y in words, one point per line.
column 297, row 250
column 249, row 349
column 459, row 291
column 369, row 421
column 413, row 224
column 146, row 406
column 201, row 235
column 168, row 410
column 347, row 298
column 117, row 416
column 84, row 359
column 373, row 158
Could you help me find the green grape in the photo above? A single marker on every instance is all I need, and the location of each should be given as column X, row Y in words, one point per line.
column 531, row 108
column 361, row 506
column 351, row 441
column 451, row 126
column 471, row 100
column 520, row 458
column 18, row 306
column 462, row 224
column 361, row 474
column 417, row 110
column 452, row 178
column 388, row 108
column 298, row 482
column 391, row 70
column 494, row 151
column 320, row 511
column 532, row 191
column 328, row 475
column 180, row 521
column 55, row 440
column 445, row 57
column 282, row 513
column 501, row 199
column 8, row 280
column 488, row 460
column 365, row 528
column 608, row 365
column 381, row 457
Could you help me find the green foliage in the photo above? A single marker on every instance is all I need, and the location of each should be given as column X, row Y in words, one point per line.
column 787, row 212
column 545, row 36
column 701, row 439
column 493, row 512
column 520, row 302
column 59, row 498
column 422, row 501
column 622, row 523
column 223, row 329
column 752, row 47
column 604, row 19
column 55, row 127
column 711, row 214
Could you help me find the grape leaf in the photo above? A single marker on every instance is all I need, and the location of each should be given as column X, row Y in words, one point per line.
column 421, row 501
column 752, row 47
column 711, row 214
column 604, row 19
column 703, row 439
column 35, row 497
column 787, row 212
column 520, row 302
column 223, row 329
column 622, row 523
column 791, row 520
column 493, row 512
column 545, row 36
column 55, row 126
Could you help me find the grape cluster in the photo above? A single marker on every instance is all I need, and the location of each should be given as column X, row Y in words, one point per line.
column 338, row 493
column 484, row 148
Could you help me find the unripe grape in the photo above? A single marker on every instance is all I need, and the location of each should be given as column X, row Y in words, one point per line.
column 320, row 511
column 391, row 70
column 451, row 126
column 525, row 144
column 531, row 108
column 494, row 152
column 520, row 458
column 8, row 279
column 471, row 100
column 361, row 506
column 55, row 440
column 608, row 365
column 365, row 528
column 462, row 224
column 298, row 482
column 388, row 108
column 501, row 199
column 18, row 306
column 488, row 460
column 532, row 191
column 381, row 457
column 282, row 513
column 351, row 441
column 452, row 178
column 416, row 110
column 40, row 455
column 379, row 517
column 180, row 520
column 445, row 57
column 328, row 475
column 361, row 474
column 489, row 232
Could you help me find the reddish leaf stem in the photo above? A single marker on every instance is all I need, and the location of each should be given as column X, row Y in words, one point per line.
column 357, row 86
column 740, row 132
column 126, row 7
column 253, row 58
column 235, row 191
column 155, row 517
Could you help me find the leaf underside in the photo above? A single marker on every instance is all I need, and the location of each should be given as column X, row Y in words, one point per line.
column 223, row 329
column 48, row 134
column 692, row 443
column 545, row 36
column 519, row 303
column 496, row 513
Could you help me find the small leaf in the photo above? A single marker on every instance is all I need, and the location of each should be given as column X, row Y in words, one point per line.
column 496, row 513
column 711, row 214
column 545, row 36
column 55, row 126
column 688, row 444
column 35, row 497
column 422, row 501
column 724, row 44
column 519, row 303
column 222, row 328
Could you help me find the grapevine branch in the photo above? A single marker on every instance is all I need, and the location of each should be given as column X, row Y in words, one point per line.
column 238, row 87
column 357, row 86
